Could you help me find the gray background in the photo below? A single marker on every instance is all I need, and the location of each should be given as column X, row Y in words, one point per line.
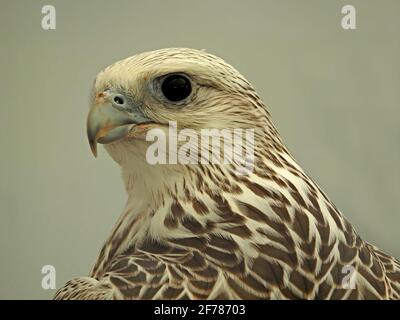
column 334, row 96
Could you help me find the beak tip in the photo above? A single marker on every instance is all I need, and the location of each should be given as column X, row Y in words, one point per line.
column 93, row 148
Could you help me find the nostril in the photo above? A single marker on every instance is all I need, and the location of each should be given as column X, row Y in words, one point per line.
column 100, row 95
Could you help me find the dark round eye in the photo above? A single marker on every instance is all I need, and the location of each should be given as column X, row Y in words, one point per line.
column 119, row 100
column 176, row 87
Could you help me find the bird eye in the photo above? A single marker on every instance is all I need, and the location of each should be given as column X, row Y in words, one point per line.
column 118, row 99
column 176, row 87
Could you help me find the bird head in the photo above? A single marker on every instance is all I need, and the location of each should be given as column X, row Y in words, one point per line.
column 192, row 88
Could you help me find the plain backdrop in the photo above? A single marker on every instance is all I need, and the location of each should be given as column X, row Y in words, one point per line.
column 334, row 95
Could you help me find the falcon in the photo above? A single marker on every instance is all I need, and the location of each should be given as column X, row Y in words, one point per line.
column 203, row 231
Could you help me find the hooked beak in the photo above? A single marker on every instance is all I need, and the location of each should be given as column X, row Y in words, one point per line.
column 106, row 123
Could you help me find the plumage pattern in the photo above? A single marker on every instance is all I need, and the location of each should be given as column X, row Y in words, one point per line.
column 204, row 232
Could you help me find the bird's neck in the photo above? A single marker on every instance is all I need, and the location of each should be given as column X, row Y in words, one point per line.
column 165, row 202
